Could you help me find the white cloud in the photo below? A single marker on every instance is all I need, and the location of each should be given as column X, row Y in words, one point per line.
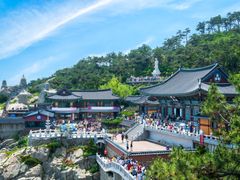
column 34, row 68
column 27, row 25
column 23, row 27
column 183, row 5
column 147, row 41
column 125, row 6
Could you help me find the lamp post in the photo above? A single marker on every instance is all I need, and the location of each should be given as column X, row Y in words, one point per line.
column 48, row 124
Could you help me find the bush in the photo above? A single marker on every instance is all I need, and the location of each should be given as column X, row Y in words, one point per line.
column 30, row 161
column 3, row 98
column 10, row 152
column 2, row 106
column 67, row 163
column 22, row 142
column 72, row 149
column 112, row 122
column 52, row 146
column 128, row 113
column 94, row 168
column 89, row 149
column 116, row 130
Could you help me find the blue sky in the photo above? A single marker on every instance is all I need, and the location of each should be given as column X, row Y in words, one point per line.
column 38, row 37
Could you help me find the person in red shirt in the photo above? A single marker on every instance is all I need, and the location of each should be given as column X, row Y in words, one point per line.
column 105, row 152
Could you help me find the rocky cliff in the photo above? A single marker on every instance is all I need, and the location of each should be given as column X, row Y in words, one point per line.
column 45, row 162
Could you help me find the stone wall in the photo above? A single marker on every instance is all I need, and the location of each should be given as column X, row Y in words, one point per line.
column 170, row 139
column 67, row 142
column 9, row 130
column 109, row 175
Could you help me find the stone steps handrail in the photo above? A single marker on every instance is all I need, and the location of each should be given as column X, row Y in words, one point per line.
column 132, row 128
column 116, row 145
column 167, row 131
column 114, row 167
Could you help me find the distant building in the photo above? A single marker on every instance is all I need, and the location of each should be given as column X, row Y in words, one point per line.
column 13, row 91
column 23, row 83
column 4, row 84
column 17, row 110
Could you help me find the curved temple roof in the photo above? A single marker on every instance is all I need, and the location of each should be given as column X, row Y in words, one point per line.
column 95, row 95
column 141, row 100
column 186, row 82
column 85, row 95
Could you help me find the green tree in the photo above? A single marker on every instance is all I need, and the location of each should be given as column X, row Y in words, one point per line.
column 3, row 98
column 118, row 88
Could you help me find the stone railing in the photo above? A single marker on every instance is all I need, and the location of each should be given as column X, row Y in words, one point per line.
column 117, row 146
column 114, row 167
column 53, row 133
column 193, row 136
column 136, row 131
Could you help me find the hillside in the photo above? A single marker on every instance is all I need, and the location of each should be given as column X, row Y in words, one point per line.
column 216, row 40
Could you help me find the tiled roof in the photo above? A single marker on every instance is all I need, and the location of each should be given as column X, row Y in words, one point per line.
column 225, row 89
column 141, row 100
column 68, row 97
column 95, row 95
column 132, row 98
column 184, row 82
column 43, row 112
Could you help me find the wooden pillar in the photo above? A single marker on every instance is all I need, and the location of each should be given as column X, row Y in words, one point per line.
column 191, row 109
column 184, row 112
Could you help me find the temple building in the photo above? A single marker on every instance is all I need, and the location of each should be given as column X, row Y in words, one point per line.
column 181, row 95
column 146, row 105
column 37, row 119
column 23, row 83
column 84, row 105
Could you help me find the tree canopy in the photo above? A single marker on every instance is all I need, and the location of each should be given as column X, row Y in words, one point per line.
column 118, row 88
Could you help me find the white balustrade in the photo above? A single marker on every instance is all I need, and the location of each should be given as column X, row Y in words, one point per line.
column 114, row 167
column 53, row 133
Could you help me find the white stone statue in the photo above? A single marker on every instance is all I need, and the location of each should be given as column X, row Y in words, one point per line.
column 156, row 71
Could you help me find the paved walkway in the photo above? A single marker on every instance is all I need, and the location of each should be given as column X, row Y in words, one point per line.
column 139, row 146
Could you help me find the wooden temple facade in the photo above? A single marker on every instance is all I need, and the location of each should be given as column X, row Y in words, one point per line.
column 181, row 95
column 84, row 105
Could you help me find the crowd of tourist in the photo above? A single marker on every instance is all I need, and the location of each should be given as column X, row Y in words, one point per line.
column 176, row 125
column 135, row 168
column 82, row 126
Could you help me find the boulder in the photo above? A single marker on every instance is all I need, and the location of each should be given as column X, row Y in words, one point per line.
column 6, row 143
column 36, row 171
column 30, row 178
column 11, row 168
column 60, row 152
column 3, row 158
column 12, row 145
column 41, row 153
column 76, row 156
column 23, row 168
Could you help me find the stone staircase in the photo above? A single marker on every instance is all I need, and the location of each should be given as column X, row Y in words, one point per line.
column 135, row 132
column 109, row 166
